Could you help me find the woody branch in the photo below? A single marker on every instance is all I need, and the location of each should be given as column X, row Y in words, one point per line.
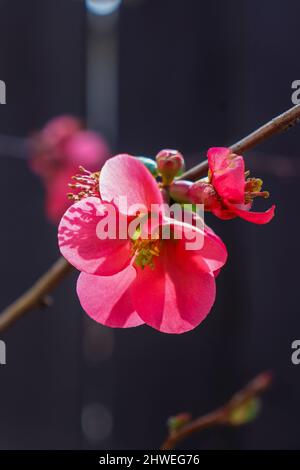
column 221, row 416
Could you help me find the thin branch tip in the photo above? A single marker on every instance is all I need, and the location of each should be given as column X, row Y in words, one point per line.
column 221, row 416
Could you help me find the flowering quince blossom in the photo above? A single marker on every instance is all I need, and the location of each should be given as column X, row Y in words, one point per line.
column 56, row 153
column 126, row 282
column 226, row 192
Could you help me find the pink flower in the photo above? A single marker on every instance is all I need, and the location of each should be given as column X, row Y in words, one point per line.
column 135, row 280
column 226, row 192
column 56, row 153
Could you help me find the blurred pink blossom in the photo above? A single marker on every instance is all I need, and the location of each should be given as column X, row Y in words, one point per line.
column 56, row 152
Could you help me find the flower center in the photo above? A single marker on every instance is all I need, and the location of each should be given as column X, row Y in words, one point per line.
column 145, row 251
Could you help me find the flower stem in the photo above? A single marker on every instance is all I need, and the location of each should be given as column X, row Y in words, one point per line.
column 34, row 297
column 278, row 124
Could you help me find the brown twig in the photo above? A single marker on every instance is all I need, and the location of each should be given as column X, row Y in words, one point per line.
column 279, row 124
column 222, row 415
column 35, row 295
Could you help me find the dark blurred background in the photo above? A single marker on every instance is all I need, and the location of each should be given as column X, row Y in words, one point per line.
column 152, row 74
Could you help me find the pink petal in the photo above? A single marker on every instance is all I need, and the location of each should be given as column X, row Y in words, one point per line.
column 254, row 217
column 59, row 129
column 107, row 300
column 228, row 173
column 214, row 250
column 209, row 252
column 124, row 175
column 80, row 245
column 211, row 256
column 220, row 211
column 88, row 149
column 217, row 157
column 176, row 295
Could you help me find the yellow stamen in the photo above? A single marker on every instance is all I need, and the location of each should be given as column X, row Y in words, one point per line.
column 253, row 188
column 144, row 252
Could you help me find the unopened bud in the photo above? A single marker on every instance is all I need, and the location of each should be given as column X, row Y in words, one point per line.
column 150, row 164
column 179, row 190
column 170, row 163
column 202, row 192
column 245, row 412
column 177, row 422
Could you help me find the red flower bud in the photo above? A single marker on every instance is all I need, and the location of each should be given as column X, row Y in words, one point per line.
column 169, row 164
column 179, row 190
column 202, row 192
